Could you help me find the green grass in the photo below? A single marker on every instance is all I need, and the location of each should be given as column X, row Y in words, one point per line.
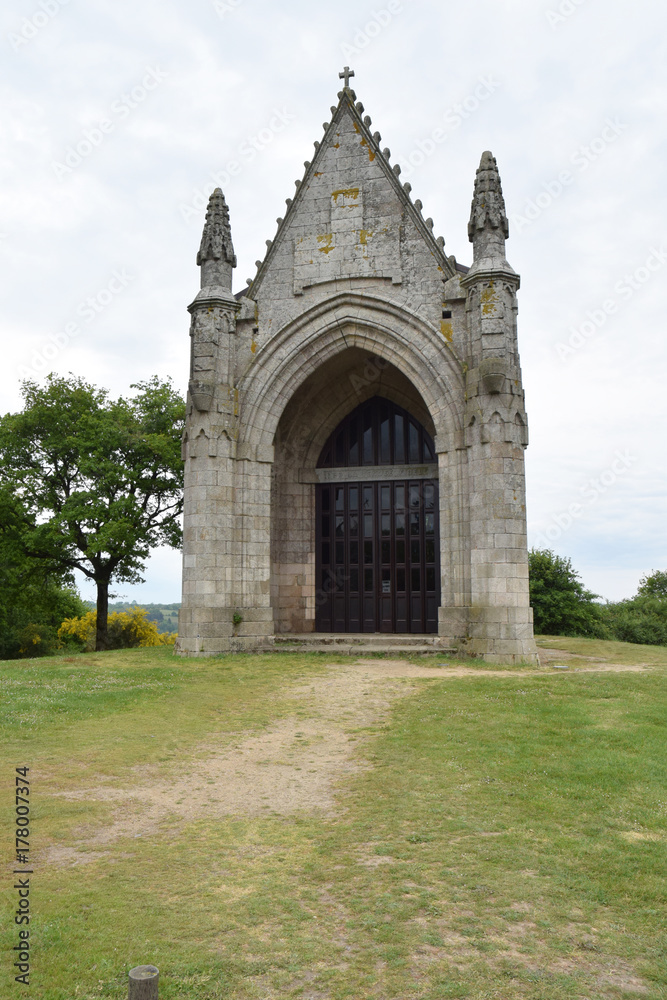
column 604, row 649
column 104, row 710
column 507, row 840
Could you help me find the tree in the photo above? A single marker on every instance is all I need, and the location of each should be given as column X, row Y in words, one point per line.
column 561, row 604
column 98, row 482
column 642, row 618
column 654, row 585
column 35, row 597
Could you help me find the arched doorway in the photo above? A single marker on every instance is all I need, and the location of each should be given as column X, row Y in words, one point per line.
column 377, row 530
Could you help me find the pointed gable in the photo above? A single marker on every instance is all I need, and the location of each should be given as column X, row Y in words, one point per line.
column 350, row 218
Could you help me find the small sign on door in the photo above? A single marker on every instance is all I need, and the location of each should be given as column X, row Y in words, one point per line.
column 386, row 587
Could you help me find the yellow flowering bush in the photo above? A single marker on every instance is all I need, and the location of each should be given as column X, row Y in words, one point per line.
column 36, row 640
column 127, row 630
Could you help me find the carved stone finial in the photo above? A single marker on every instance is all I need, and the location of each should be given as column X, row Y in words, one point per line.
column 216, row 241
column 487, row 212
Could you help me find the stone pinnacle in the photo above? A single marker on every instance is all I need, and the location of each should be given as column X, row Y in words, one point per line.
column 216, row 241
column 487, row 212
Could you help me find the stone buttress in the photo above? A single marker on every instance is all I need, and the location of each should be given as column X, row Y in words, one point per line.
column 213, row 545
column 499, row 616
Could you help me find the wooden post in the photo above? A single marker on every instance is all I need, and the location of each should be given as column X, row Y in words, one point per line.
column 143, row 983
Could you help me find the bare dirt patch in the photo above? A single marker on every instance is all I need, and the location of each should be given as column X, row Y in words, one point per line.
column 290, row 767
column 549, row 657
column 376, row 861
column 635, row 836
column 72, row 856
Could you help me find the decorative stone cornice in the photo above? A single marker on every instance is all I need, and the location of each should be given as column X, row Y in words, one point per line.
column 214, row 296
column 491, row 269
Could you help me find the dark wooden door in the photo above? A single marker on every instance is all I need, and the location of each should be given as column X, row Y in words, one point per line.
column 378, row 567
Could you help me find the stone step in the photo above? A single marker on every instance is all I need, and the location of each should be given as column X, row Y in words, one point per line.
column 358, row 638
column 364, row 650
column 377, row 642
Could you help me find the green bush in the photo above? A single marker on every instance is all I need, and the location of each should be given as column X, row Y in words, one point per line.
column 561, row 604
column 36, row 640
column 643, row 619
column 30, row 617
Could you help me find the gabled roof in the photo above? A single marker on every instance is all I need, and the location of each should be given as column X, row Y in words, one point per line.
column 347, row 105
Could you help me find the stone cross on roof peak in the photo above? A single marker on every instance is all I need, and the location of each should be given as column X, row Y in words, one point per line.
column 345, row 75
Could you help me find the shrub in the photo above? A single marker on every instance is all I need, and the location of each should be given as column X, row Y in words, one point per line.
column 36, row 640
column 127, row 630
column 30, row 613
column 642, row 619
column 561, row 604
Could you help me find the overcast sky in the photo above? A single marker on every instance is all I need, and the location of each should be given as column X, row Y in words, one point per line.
column 119, row 118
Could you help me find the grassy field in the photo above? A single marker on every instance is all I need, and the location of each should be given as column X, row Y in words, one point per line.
column 494, row 833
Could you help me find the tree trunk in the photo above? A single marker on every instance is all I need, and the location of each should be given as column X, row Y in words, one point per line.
column 102, row 635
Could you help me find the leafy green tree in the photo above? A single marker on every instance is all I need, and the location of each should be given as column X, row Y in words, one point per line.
column 654, row 585
column 561, row 604
column 97, row 482
column 35, row 597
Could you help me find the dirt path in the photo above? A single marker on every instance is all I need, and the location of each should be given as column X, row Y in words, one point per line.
column 549, row 657
column 291, row 766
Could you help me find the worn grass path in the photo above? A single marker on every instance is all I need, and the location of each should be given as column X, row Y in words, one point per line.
column 295, row 826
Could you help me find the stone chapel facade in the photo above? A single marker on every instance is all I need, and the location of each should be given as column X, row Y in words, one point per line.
column 355, row 434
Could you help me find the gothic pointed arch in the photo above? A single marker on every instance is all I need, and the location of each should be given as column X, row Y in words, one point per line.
column 349, row 320
column 377, row 433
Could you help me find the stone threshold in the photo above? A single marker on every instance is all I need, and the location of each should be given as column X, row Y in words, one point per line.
column 363, row 642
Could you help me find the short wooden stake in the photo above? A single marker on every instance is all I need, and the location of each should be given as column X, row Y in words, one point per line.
column 143, row 983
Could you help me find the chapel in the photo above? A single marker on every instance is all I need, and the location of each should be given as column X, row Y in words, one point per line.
column 355, row 431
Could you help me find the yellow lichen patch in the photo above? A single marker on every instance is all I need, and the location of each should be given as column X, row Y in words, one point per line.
column 446, row 329
column 364, row 236
column 489, row 301
column 253, row 345
column 371, row 154
column 327, row 240
column 336, row 145
column 345, row 193
column 318, row 173
column 364, row 142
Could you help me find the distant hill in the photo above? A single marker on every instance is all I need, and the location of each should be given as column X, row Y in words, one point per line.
column 165, row 616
